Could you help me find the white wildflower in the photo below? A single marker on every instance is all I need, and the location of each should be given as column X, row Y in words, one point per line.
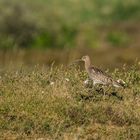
column 51, row 83
column 67, row 79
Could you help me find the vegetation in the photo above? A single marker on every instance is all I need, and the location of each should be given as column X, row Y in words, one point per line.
column 53, row 103
column 61, row 24
column 49, row 100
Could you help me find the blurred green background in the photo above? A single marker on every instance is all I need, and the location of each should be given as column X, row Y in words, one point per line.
column 42, row 31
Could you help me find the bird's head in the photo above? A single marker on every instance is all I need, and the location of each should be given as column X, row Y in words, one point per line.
column 85, row 58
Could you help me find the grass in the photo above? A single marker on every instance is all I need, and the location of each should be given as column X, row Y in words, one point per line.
column 53, row 103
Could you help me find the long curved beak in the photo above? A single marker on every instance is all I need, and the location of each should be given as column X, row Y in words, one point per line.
column 76, row 61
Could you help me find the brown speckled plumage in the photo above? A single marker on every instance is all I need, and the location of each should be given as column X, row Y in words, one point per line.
column 97, row 75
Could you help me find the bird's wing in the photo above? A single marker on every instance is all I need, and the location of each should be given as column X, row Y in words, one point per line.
column 100, row 75
column 99, row 72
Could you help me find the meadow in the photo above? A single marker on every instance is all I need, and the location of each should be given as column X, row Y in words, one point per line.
column 42, row 103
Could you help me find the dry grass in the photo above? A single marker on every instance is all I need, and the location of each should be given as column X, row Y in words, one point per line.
column 33, row 107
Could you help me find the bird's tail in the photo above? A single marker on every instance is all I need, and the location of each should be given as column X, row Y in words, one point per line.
column 119, row 83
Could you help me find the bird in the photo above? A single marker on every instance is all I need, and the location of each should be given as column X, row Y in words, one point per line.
column 98, row 76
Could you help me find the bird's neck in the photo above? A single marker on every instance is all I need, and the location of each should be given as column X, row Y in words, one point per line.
column 87, row 64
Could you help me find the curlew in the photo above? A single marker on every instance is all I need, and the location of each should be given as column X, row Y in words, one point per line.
column 98, row 76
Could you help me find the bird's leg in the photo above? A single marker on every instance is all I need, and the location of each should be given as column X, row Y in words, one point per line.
column 94, row 85
column 106, row 90
column 100, row 88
